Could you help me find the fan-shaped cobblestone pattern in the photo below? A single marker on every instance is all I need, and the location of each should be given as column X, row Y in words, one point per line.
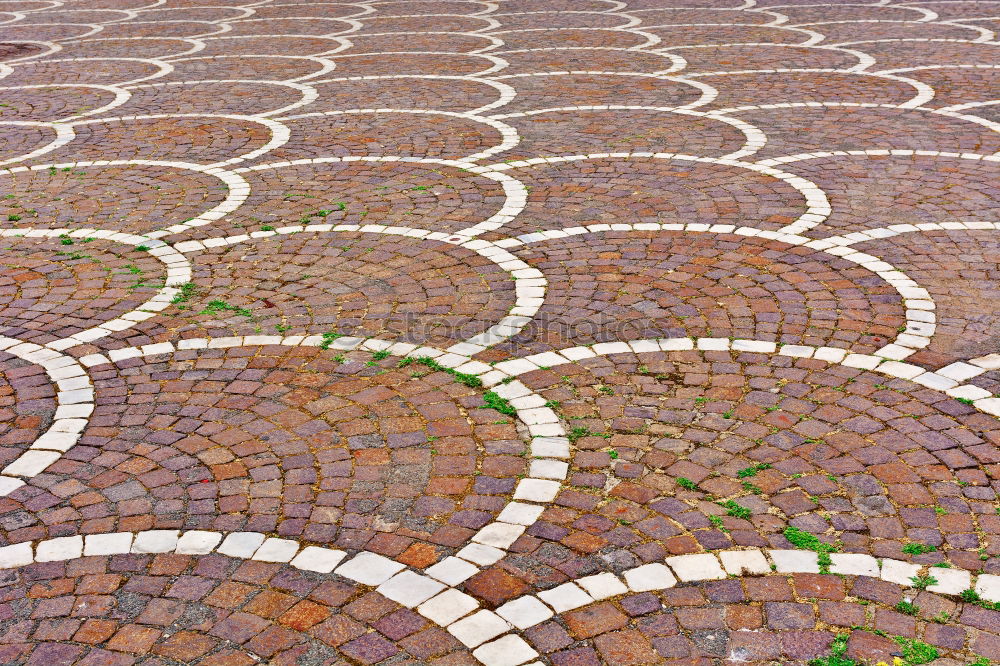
column 134, row 198
column 605, row 191
column 838, row 448
column 961, row 270
column 50, row 290
column 208, row 609
column 23, row 103
column 606, row 288
column 407, row 289
column 27, row 404
column 326, row 447
column 441, row 197
column 810, row 130
column 879, row 191
column 643, row 129
column 198, row 139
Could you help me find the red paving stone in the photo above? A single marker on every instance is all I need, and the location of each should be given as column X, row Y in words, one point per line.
column 301, row 272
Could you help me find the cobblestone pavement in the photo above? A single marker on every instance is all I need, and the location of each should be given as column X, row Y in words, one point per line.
column 499, row 332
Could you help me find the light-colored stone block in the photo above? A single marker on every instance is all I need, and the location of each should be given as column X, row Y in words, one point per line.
column 61, row 548
column 519, row 513
column 546, row 430
column 369, row 569
column 155, row 541
column 854, row 564
column 830, row 354
column 499, row 535
column 56, row 441
column 516, row 366
column 602, row 586
column 409, row 589
column 577, row 353
column 481, row 554
column 545, row 359
column 935, row 381
column 960, row 371
column 447, row 607
column 796, row 351
column 9, row 484
column 17, row 555
column 676, row 344
column 988, row 362
column 863, row 361
column 653, row 576
column 754, row 346
column 537, row 415
column 740, row 562
column 550, row 447
column 969, row 392
column 31, row 463
column 548, row 469
column 898, row 572
column 950, row 581
column 988, row 587
column 241, row 544
column 713, row 344
column 510, row 650
column 276, row 550
column 605, row 348
column 700, row 566
column 524, row 612
column 198, row 542
column 901, row 370
column 321, row 560
column 988, row 405
column 115, row 543
column 565, row 597
column 537, row 490
column 452, row 570
column 643, row 346
column 479, row 628
column 794, row 561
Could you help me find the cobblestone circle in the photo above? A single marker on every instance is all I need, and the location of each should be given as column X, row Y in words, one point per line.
column 500, row 332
